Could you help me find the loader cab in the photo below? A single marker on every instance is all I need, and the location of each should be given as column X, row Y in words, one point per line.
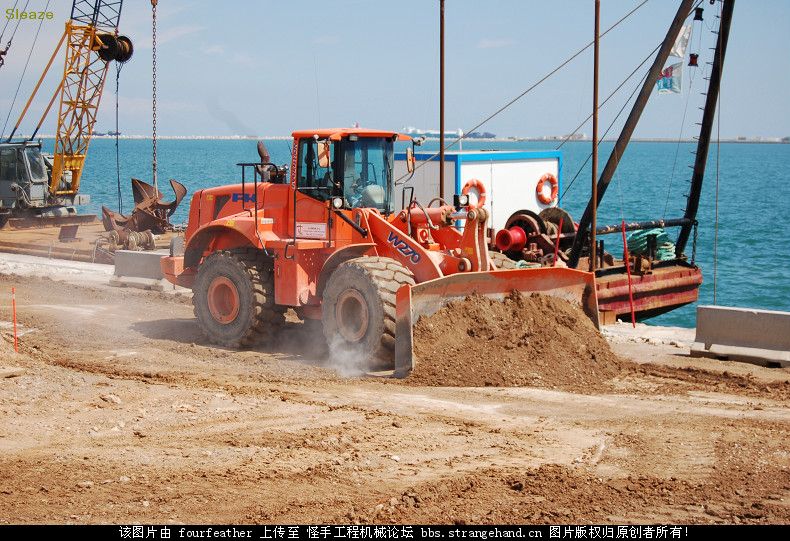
column 350, row 170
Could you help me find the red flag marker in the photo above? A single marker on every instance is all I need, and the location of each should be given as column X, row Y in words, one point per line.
column 13, row 309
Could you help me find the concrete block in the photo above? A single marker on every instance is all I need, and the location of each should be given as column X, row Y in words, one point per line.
column 134, row 264
column 138, row 283
column 743, row 334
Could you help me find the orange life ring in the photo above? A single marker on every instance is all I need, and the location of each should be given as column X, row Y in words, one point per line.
column 555, row 188
column 481, row 190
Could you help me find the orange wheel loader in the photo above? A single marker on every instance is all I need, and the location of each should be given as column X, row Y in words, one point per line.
column 326, row 240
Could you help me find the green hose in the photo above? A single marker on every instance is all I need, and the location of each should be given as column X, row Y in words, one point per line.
column 637, row 243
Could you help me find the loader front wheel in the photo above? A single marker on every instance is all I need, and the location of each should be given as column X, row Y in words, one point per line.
column 233, row 296
column 358, row 311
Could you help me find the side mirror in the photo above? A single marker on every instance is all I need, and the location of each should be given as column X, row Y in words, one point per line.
column 410, row 160
column 324, row 157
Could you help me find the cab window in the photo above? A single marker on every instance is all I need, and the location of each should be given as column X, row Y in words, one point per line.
column 312, row 179
column 8, row 164
column 38, row 171
column 366, row 166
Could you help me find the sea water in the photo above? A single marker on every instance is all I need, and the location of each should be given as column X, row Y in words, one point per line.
column 753, row 263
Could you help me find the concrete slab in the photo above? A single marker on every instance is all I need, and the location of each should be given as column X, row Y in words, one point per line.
column 75, row 272
column 78, row 273
column 622, row 332
column 743, row 334
column 129, row 263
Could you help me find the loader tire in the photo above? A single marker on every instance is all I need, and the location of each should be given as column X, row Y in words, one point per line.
column 502, row 261
column 233, row 297
column 358, row 311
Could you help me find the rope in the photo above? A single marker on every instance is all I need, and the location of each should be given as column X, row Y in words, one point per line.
column 3, row 52
column 19, row 21
column 118, row 66
column 153, row 78
column 611, row 125
column 22, row 77
column 568, row 187
column 680, row 137
column 527, row 91
column 7, row 21
column 682, row 125
column 610, row 96
column 665, row 248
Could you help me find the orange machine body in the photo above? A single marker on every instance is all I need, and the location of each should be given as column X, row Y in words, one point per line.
column 308, row 238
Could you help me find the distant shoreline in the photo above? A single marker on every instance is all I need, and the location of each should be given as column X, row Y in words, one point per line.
column 766, row 141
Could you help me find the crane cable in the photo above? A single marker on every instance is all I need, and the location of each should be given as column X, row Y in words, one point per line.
column 3, row 52
column 24, row 70
column 403, row 179
column 118, row 66
column 7, row 21
column 153, row 101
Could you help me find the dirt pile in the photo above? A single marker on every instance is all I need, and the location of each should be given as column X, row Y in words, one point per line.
column 533, row 340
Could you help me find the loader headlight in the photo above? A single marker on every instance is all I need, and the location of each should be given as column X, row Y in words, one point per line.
column 337, row 202
column 461, row 200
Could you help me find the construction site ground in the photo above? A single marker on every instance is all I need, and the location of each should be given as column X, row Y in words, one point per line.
column 117, row 410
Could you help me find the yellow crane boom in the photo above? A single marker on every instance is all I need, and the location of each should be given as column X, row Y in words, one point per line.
column 92, row 42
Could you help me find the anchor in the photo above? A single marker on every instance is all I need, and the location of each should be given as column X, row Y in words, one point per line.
column 150, row 213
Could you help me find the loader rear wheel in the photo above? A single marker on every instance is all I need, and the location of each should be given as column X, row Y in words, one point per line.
column 358, row 311
column 502, row 261
column 233, row 298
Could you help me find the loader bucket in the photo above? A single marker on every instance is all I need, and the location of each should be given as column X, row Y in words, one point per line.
column 425, row 299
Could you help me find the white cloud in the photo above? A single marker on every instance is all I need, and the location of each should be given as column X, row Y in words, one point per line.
column 244, row 60
column 137, row 106
column 213, row 49
column 494, row 43
column 170, row 34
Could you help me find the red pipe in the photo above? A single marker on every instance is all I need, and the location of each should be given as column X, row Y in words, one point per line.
column 628, row 271
column 557, row 243
column 511, row 240
column 13, row 309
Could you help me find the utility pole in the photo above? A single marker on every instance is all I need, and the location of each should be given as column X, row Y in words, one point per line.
column 594, row 199
column 441, row 99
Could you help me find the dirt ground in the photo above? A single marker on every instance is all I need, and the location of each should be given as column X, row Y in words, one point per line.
column 124, row 414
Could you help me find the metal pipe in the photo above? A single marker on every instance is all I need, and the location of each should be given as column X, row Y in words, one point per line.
column 707, row 125
column 628, row 128
column 594, row 196
column 441, row 99
column 636, row 226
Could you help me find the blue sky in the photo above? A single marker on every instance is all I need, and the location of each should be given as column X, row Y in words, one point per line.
column 269, row 67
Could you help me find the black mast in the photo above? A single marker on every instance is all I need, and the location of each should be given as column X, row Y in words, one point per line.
column 707, row 125
column 628, row 128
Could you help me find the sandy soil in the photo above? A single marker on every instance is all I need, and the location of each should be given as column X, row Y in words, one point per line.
column 125, row 414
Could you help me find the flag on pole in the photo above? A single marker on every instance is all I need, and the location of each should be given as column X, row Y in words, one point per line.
column 679, row 48
column 671, row 79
